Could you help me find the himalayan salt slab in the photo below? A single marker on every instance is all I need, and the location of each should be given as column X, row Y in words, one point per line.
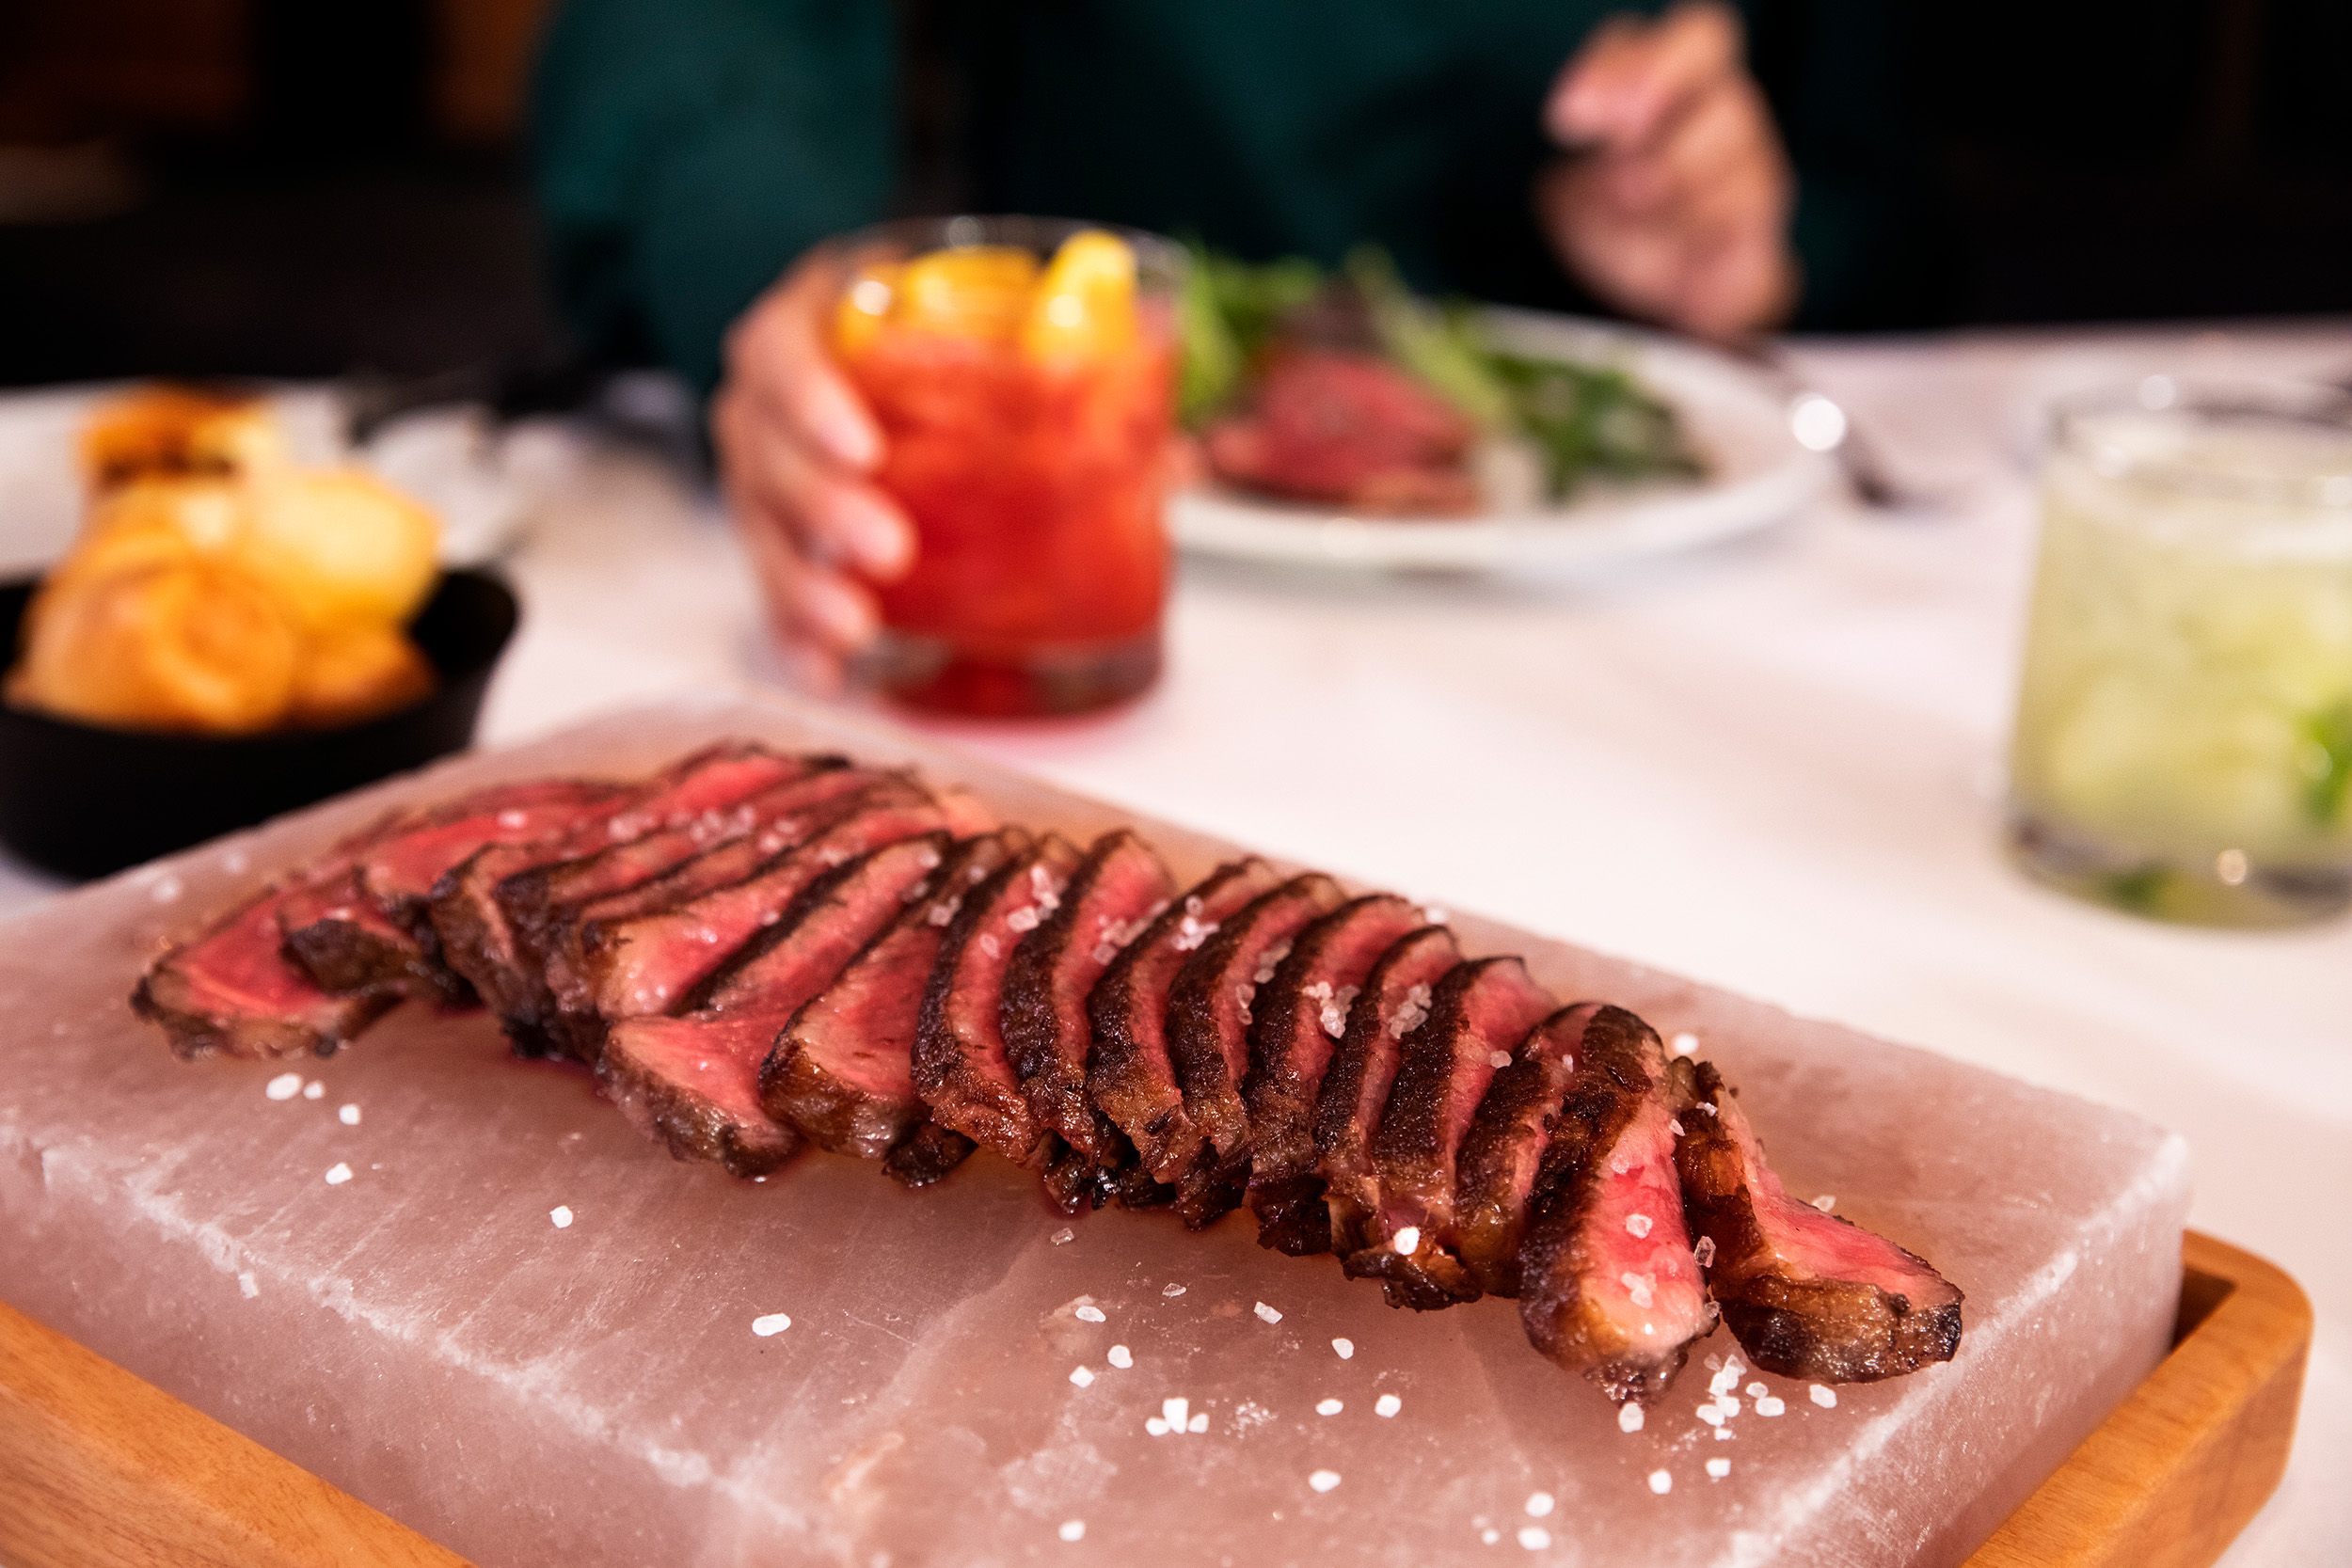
column 827, row 1368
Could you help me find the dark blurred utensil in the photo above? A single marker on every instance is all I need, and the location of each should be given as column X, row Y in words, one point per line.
column 1821, row 423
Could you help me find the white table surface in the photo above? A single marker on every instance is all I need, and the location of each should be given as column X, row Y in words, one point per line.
column 1772, row 766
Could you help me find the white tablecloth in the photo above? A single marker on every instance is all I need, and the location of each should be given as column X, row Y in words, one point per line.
column 1772, row 766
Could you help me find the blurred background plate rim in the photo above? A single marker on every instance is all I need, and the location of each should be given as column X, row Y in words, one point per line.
column 1731, row 407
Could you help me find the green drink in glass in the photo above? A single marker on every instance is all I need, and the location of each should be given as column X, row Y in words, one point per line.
column 2184, row 744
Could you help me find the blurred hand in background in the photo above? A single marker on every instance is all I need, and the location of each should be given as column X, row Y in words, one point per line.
column 1673, row 201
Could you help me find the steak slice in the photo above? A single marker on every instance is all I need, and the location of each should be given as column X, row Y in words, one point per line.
column 927, row 1155
column 1607, row 1284
column 1393, row 1001
column 1128, row 1074
column 370, row 929
column 1807, row 1294
column 843, row 1070
column 572, row 936
column 693, row 1083
column 959, row 1061
column 231, row 991
column 679, row 959
column 1300, row 1016
column 475, row 938
column 1504, row 1147
column 1209, row 1017
column 1479, row 1014
column 1118, row 890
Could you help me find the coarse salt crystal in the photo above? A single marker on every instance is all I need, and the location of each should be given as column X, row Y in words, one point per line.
column 1073, row 1529
column 348, row 1116
column 1722, row 1434
column 1727, row 1377
column 1490, row 1536
column 1498, row 1059
column 1329, row 1407
column 1825, row 1398
column 1771, row 1404
column 1712, row 1415
column 1323, row 1480
column 1703, row 1251
column 314, row 1090
column 1120, row 1356
column 1434, row 914
column 1686, row 1045
column 1022, row 919
column 1198, row 1423
column 1155, row 1426
column 562, row 1216
column 1538, row 1504
column 1173, row 1412
column 772, row 1325
column 338, row 1173
column 1825, row 1203
column 1406, row 1240
column 943, row 911
column 1171, row 1290
column 166, row 891
column 1728, row 1404
column 1639, row 1286
column 247, row 1286
column 1534, row 1537
column 1674, row 1125
column 284, row 1086
column 990, row 945
column 1063, row 1237
column 1268, row 1313
column 1343, row 1348
column 1619, row 1164
column 1719, row 1467
column 1637, row 1225
column 1386, row 1404
column 1757, row 1391
column 1090, row 1313
column 1629, row 1417
column 1662, row 1481
column 1081, row 1376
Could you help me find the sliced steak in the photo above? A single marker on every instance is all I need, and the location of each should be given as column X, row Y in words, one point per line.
column 1478, row 1015
column 1608, row 1286
column 370, row 929
column 231, row 991
column 475, row 938
column 1299, row 1017
column 1209, row 1016
column 1808, row 1294
column 1128, row 1075
column 1504, row 1147
column 694, row 1082
column 1393, row 1001
column 676, row 961
column 1117, row 891
column 843, row 1072
column 959, row 1066
column 926, row 1155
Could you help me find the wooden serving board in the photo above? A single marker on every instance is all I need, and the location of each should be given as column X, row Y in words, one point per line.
column 99, row 1469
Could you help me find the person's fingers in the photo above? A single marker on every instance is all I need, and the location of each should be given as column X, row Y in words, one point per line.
column 831, row 515
column 777, row 354
column 1625, row 87
column 819, row 614
column 1723, row 142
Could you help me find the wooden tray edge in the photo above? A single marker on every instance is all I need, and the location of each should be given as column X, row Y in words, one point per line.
column 101, row 1469
column 2176, row 1471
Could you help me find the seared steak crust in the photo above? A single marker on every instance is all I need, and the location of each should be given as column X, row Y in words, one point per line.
column 1117, row 891
column 1807, row 1294
column 1393, row 1004
column 337, row 936
column 1607, row 1284
column 231, row 991
column 1504, row 1147
column 1478, row 1015
column 1210, row 1011
column 926, row 1154
column 1299, row 1018
column 842, row 1071
column 694, row 1082
column 1128, row 1075
column 959, row 1064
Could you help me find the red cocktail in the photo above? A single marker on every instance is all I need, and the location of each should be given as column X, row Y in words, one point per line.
column 1026, row 406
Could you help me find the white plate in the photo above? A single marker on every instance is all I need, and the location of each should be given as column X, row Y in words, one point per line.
column 1736, row 415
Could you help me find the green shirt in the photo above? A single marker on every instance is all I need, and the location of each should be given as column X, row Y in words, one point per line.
column 689, row 150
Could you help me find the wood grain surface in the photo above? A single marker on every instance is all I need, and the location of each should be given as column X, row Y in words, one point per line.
column 99, row 1469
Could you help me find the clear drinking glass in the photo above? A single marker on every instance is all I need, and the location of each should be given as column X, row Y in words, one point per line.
column 1023, row 370
column 2184, row 742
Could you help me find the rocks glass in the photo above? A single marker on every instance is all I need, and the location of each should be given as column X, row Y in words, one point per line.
column 1023, row 370
column 2184, row 743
